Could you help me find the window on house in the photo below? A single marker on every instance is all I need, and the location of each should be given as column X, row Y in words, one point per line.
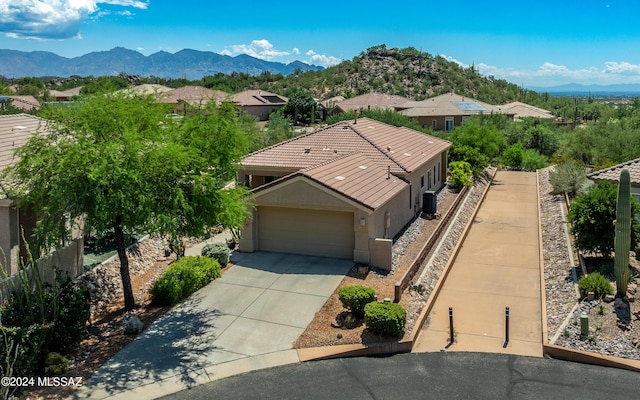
column 448, row 124
column 440, row 176
column 434, row 175
column 434, row 124
column 429, row 180
column 421, row 181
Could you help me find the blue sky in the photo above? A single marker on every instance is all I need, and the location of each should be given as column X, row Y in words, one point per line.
column 541, row 43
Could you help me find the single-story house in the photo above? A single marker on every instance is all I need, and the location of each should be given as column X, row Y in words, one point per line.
column 17, row 224
column 259, row 103
column 342, row 191
column 444, row 112
column 522, row 110
column 25, row 103
column 146, row 89
column 369, row 101
column 612, row 174
column 65, row 95
column 191, row 96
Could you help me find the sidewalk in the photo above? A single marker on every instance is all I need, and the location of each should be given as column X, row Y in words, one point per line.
column 498, row 266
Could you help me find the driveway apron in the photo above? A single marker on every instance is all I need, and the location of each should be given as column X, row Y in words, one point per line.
column 253, row 313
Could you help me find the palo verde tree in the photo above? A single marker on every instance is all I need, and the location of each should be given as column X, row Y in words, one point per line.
column 114, row 162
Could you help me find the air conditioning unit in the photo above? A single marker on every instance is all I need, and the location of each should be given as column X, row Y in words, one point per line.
column 429, row 202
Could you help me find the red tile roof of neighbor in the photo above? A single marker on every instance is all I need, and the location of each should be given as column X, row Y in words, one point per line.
column 371, row 101
column 194, row 95
column 258, row 98
column 26, row 103
column 401, row 149
column 612, row 174
column 449, row 104
column 15, row 130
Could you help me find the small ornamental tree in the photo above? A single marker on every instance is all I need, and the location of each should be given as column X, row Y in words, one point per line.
column 592, row 217
column 114, row 162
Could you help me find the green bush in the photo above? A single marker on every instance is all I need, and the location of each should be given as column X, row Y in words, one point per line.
column 386, row 319
column 532, row 160
column 30, row 341
column 217, row 251
column 182, row 278
column 355, row 298
column 459, row 174
column 596, row 283
column 55, row 364
column 513, row 155
column 569, row 177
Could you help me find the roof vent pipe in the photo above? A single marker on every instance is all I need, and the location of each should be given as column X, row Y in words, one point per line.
column 388, row 171
column 355, row 116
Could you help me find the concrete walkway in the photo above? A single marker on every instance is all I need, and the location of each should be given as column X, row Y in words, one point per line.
column 498, row 266
column 246, row 320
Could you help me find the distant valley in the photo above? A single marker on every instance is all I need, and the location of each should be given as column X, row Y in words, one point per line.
column 188, row 64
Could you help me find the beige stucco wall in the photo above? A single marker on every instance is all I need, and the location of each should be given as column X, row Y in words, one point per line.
column 9, row 237
column 260, row 112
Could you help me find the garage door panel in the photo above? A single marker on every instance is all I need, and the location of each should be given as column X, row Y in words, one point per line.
column 299, row 231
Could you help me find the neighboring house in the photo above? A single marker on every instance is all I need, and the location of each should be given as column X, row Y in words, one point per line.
column 65, row 95
column 522, row 110
column 147, row 89
column 369, row 101
column 259, row 103
column 191, row 97
column 612, row 174
column 444, row 112
column 343, row 191
column 17, row 224
column 25, row 103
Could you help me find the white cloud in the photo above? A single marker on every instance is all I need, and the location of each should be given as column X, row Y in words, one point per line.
column 550, row 74
column 322, row 59
column 295, row 50
column 261, row 49
column 52, row 19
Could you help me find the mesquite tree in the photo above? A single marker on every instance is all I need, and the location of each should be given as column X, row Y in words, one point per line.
column 116, row 163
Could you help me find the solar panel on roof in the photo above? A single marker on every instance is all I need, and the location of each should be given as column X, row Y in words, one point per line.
column 468, row 106
column 273, row 99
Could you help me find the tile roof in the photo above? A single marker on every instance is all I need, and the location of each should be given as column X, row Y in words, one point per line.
column 371, row 101
column 147, row 89
column 612, row 174
column 354, row 176
column 194, row 95
column 401, row 149
column 66, row 93
column 258, row 98
column 14, row 131
column 26, row 103
column 520, row 109
column 448, row 104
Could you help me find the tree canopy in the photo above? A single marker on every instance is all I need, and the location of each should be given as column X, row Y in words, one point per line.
column 115, row 162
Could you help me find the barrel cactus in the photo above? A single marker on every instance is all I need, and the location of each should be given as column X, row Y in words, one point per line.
column 622, row 243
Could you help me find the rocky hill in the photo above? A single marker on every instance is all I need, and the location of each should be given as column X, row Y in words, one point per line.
column 406, row 72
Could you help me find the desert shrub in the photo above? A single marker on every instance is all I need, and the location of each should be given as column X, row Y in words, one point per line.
column 182, row 278
column 55, row 364
column 217, row 251
column 512, row 156
column 592, row 215
column 469, row 154
column 355, row 298
column 532, row 160
column 385, row 318
column 29, row 341
column 596, row 283
column 459, row 174
column 569, row 177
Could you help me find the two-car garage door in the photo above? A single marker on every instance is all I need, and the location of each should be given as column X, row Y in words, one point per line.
column 300, row 231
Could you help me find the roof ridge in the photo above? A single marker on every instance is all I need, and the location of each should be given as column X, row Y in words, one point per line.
column 617, row 166
column 273, row 146
column 330, row 160
column 402, row 166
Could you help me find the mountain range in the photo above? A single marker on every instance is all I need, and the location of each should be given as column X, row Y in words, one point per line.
column 189, row 64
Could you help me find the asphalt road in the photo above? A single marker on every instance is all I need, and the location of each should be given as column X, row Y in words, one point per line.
column 425, row 376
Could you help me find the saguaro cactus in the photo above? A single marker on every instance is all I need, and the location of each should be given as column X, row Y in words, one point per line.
column 622, row 242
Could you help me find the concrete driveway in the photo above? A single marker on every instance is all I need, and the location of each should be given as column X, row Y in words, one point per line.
column 248, row 319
